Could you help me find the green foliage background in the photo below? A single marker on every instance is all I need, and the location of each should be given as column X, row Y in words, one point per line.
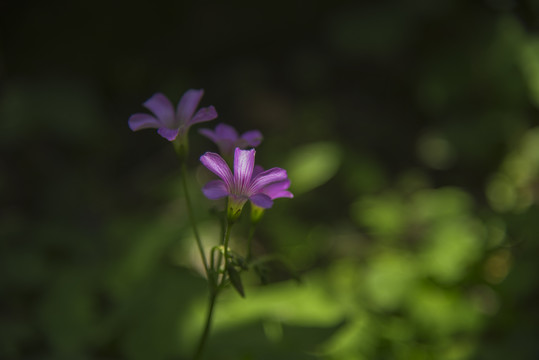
column 410, row 133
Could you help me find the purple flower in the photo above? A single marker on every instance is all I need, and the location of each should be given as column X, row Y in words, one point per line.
column 243, row 185
column 227, row 138
column 172, row 123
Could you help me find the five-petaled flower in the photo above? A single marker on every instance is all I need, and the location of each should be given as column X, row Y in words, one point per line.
column 227, row 139
column 170, row 123
column 244, row 184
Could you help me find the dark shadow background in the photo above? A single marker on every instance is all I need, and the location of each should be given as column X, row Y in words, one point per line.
column 409, row 129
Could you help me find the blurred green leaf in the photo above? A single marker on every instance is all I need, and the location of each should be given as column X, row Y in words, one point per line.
column 451, row 247
column 312, row 165
column 390, row 279
column 384, row 215
column 440, row 312
column 432, row 205
column 307, row 304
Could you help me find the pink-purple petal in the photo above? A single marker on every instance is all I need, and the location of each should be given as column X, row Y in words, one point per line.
column 163, row 109
column 244, row 162
column 203, row 115
column 261, row 200
column 224, row 131
column 169, row 134
column 187, row 106
column 143, row 121
column 252, row 138
column 257, row 170
column 283, row 194
column 278, row 190
column 215, row 189
column 267, row 177
column 210, row 134
column 218, row 166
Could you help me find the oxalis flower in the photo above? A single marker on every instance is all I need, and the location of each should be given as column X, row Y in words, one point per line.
column 227, row 139
column 169, row 123
column 244, row 184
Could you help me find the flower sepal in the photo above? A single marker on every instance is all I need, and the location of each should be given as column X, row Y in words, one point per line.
column 181, row 146
column 234, row 208
column 256, row 214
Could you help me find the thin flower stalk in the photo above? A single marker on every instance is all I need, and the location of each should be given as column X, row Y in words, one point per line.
column 192, row 220
column 207, row 325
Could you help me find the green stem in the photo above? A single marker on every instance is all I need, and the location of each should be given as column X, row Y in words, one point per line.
column 225, row 250
column 214, row 291
column 192, row 219
column 204, row 337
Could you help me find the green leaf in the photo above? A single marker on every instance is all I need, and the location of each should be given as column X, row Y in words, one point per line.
column 235, row 279
column 313, row 165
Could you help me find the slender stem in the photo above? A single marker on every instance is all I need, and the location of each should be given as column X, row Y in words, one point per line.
column 220, row 257
column 212, row 259
column 214, row 291
column 225, row 250
column 204, row 337
column 192, row 219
